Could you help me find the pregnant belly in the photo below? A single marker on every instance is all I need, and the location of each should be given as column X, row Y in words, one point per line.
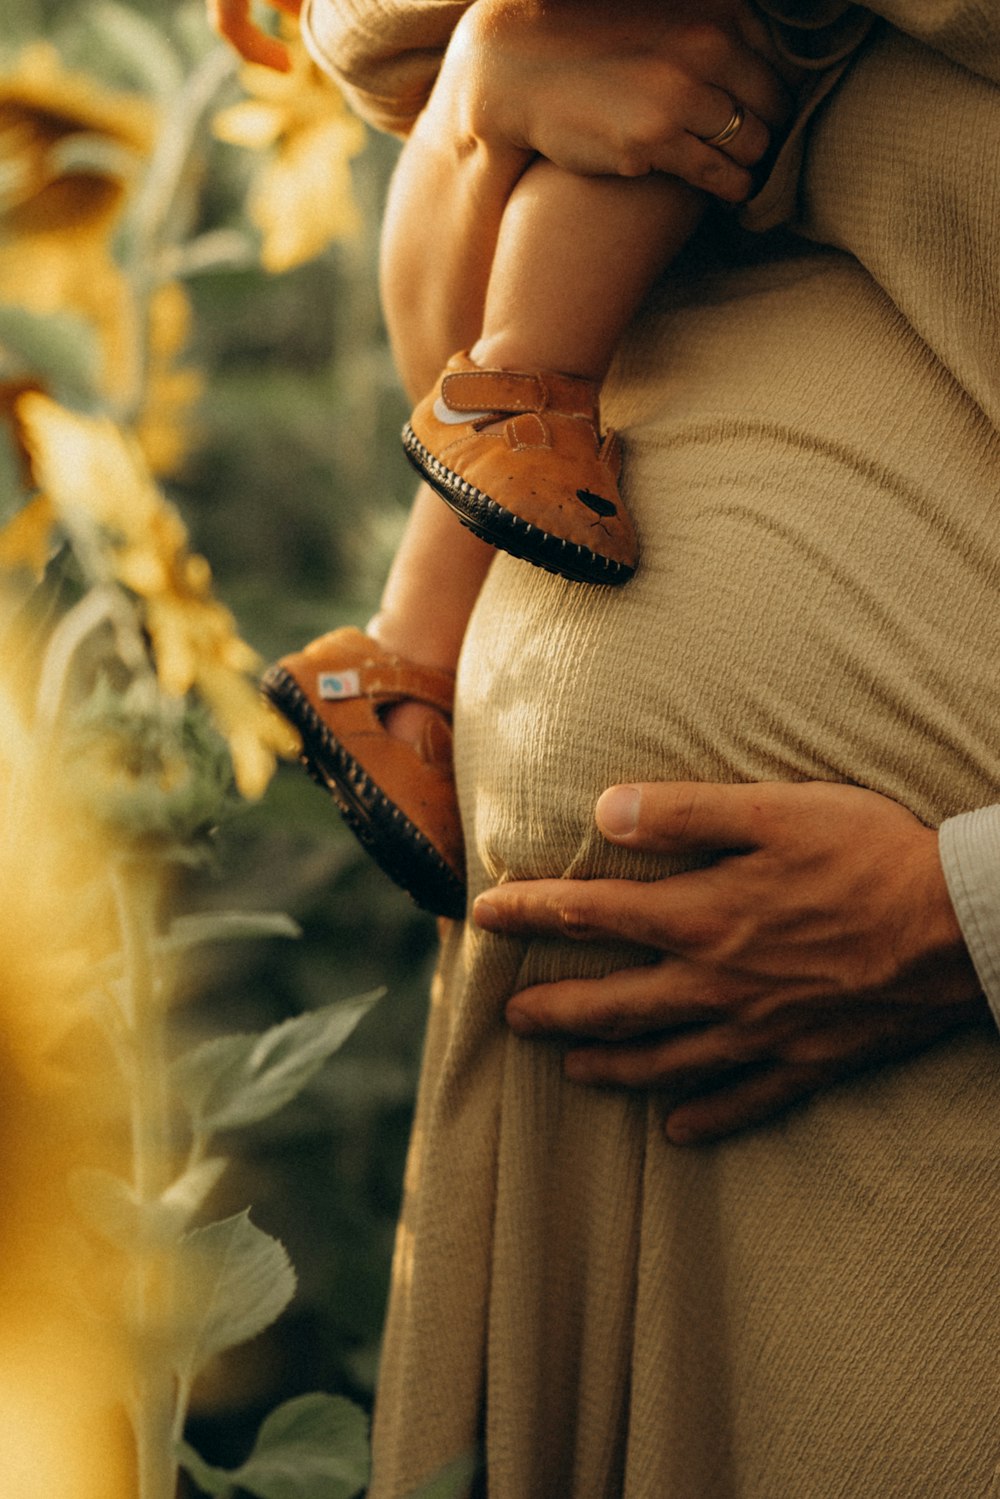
column 817, row 596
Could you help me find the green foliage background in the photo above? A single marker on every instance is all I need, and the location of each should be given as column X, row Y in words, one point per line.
column 295, row 489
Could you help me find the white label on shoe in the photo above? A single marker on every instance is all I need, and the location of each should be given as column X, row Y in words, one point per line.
column 457, row 418
column 333, row 685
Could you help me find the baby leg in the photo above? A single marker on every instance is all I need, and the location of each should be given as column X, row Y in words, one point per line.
column 574, row 258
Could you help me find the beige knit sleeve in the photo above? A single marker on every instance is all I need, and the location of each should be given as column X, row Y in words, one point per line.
column 821, row 36
column 824, row 36
column 384, row 54
column 966, row 31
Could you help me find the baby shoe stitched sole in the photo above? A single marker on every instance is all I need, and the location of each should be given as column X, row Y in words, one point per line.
column 499, row 527
column 399, row 848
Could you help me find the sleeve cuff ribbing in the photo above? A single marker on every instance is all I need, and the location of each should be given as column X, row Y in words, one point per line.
column 970, row 857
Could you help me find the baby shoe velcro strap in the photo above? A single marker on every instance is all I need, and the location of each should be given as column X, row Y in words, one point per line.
column 492, row 390
column 510, row 391
column 387, row 679
column 392, row 680
column 571, row 395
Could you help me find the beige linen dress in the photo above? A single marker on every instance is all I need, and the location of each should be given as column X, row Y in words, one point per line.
column 808, row 1311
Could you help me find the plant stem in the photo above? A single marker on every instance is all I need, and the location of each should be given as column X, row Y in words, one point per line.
column 154, row 1407
column 155, row 223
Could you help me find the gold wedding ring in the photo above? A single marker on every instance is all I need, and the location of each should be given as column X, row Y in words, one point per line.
column 729, row 130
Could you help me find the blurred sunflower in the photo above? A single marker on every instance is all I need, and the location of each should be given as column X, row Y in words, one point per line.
column 302, row 198
column 91, row 473
column 61, row 1377
column 171, row 389
column 68, row 149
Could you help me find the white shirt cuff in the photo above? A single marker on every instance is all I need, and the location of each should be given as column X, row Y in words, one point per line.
column 969, row 846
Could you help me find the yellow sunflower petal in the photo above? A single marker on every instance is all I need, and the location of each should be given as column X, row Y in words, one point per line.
column 38, row 87
column 176, row 659
column 304, row 199
column 251, row 123
column 170, row 318
column 26, row 540
column 86, row 464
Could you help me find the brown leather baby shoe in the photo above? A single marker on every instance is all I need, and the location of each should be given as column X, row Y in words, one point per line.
column 521, row 459
column 398, row 798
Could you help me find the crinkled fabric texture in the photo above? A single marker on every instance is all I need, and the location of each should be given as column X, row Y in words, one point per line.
column 808, row 1310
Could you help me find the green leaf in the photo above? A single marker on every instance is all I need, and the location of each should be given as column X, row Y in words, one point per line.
column 452, row 1482
column 186, row 932
column 235, row 1080
column 111, row 1207
column 209, row 1479
column 312, row 1447
column 60, row 349
column 233, row 1281
column 227, row 926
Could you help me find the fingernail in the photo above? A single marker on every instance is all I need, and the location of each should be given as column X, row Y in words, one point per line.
column 617, row 811
column 486, row 915
column 520, row 1022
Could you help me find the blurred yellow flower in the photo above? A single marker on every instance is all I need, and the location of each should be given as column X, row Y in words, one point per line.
column 67, row 150
column 26, row 539
column 302, row 198
column 92, row 472
column 61, row 1377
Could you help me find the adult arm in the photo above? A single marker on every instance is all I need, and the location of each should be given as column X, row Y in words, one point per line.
column 820, row 941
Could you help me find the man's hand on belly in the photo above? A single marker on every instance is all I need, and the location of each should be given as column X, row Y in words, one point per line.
column 820, row 942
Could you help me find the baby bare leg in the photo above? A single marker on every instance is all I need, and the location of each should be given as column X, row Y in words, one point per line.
column 433, row 583
column 574, row 258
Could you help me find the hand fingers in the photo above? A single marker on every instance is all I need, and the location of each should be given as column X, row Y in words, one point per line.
column 708, row 1052
column 630, row 1002
column 808, row 1062
column 665, row 915
column 705, row 168
column 811, row 1062
column 743, row 1102
column 744, row 75
column 681, row 816
column 817, row 1044
column 715, row 113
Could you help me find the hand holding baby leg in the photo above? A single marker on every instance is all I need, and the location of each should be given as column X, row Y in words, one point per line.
column 621, row 91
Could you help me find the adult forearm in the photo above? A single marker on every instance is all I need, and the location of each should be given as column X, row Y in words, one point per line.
column 443, row 214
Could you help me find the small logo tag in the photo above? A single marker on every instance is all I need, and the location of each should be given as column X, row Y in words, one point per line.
column 333, row 685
